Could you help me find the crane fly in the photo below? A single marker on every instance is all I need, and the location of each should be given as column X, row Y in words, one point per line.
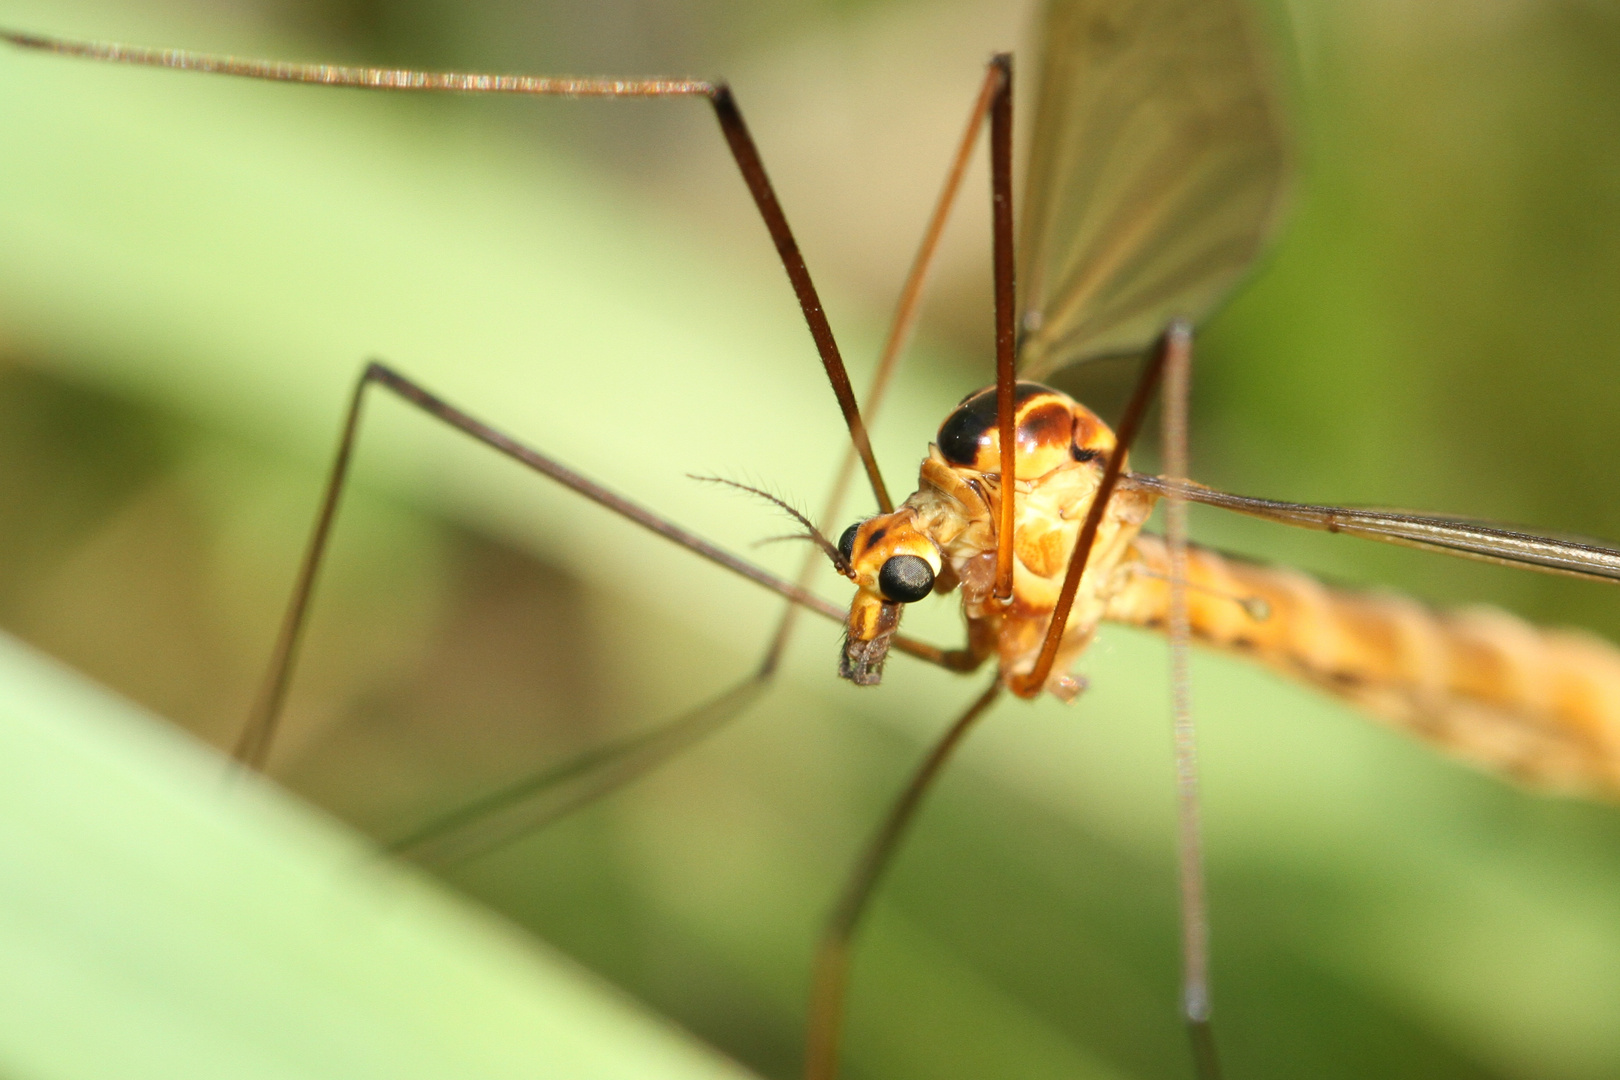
column 1157, row 170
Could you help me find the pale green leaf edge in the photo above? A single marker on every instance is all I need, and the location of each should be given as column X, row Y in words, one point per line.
column 158, row 919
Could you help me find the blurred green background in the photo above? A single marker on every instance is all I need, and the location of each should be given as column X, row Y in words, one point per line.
column 195, row 269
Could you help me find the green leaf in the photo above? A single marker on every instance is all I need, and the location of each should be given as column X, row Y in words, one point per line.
column 158, row 919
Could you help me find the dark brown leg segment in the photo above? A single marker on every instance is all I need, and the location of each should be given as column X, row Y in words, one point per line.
column 900, row 329
column 831, row 977
column 718, row 94
column 253, row 747
column 1001, row 224
column 1178, row 337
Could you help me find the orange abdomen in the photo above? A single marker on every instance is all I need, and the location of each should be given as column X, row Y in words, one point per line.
column 1542, row 706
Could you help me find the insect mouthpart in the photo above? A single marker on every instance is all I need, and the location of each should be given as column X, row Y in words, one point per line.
column 871, row 626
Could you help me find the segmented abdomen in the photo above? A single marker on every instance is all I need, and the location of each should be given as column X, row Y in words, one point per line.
column 1542, row 706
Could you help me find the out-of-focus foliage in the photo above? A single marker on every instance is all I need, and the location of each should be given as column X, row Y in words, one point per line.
column 196, row 268
column 257, row 940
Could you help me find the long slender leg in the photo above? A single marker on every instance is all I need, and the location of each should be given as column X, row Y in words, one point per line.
column 831, row 976
column 549, row 794
column 1176, row 340
column 254, row 745
column 718, row 94
column 1195, row 1002
column 1001, row 220
column 900, row 330
column 833, row 952
column 538, row 800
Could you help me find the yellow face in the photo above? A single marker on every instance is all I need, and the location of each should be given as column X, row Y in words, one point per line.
column 892, row 563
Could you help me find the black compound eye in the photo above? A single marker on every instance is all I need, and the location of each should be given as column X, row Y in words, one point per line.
column 846, row 542
column 906, row 579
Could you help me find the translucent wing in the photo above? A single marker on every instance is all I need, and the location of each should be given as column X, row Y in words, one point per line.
column 1574, row 556
column 1156, row 173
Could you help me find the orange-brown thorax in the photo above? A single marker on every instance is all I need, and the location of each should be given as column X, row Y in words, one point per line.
column 951, row 524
